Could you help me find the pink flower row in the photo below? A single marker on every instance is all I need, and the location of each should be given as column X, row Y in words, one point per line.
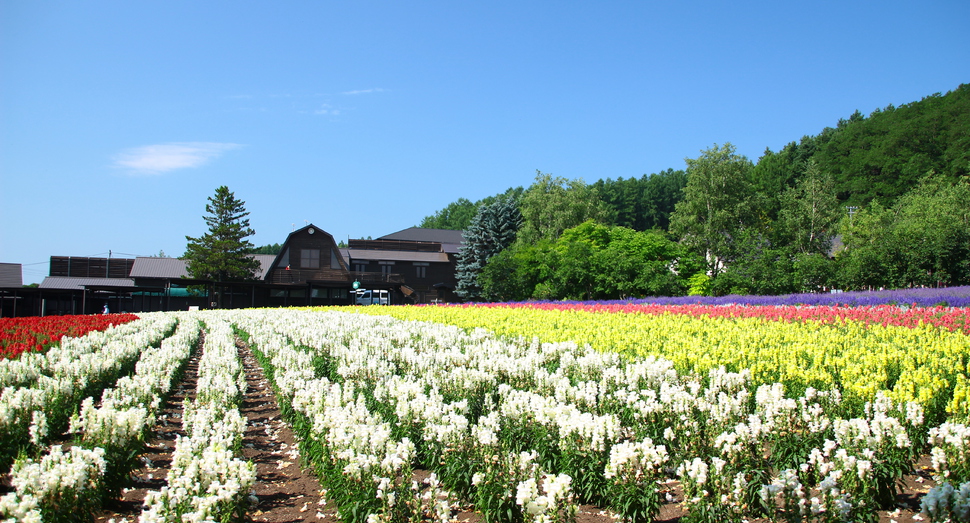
column 953, row 319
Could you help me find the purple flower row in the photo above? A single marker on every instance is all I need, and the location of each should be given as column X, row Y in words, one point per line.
column 947, row 297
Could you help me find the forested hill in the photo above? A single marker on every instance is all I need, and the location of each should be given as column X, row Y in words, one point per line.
column 877, row 157
column 884, row 155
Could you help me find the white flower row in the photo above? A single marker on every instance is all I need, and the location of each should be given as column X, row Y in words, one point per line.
column 206, row 480
column 67, row 480
column 128, row 409
column 373, row 465
column 117, row 424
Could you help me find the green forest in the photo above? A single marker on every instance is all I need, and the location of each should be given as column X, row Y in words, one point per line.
column 878, row 201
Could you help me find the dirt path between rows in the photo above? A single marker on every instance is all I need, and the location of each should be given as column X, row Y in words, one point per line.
column 157, row 457
column 285, row 493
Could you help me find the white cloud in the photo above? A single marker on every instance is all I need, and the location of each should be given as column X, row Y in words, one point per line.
column 327, row 109
column 365, row 91
column 157, row 159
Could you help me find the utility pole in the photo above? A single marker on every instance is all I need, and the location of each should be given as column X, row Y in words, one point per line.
column 852, row 210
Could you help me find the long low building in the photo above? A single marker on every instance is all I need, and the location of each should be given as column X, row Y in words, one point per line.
column 413, row 266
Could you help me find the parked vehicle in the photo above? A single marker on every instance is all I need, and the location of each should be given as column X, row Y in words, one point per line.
column 372, row 297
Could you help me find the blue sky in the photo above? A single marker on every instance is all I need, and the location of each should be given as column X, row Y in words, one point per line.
column 119, row 119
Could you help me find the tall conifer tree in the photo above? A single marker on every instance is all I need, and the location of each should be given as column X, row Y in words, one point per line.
column 220, row 255
column 491, row 230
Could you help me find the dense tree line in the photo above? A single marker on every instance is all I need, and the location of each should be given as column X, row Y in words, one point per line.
column 882, row 156
column 458, row 215
column 643, row 203
column 877, row 201
column 272, row 248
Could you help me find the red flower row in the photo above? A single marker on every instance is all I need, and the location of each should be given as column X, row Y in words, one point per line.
column 952, row 319
column 36, row 334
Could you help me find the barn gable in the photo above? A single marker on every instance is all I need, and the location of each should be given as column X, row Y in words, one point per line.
column 309, row 255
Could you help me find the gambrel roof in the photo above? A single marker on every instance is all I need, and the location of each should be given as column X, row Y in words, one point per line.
column 318, row 240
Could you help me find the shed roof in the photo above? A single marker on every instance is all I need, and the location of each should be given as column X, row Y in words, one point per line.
column 412, row 256
column 76, row 283
column 151, row 267
column 174, row 268
column 11, row 275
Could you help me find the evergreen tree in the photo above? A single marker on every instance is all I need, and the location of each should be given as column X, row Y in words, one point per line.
column 492, row 229
column 220, row 255
column 643, row 203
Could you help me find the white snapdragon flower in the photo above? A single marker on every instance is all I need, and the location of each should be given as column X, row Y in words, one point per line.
column 20, row 508
column 526, row 491
column 696, row 470
column 38, row 427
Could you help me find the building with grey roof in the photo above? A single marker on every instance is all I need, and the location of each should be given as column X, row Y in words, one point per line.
column 414, row 265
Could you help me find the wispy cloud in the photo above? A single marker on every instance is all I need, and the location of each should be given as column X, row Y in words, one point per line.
column 161, row 158
column 327, row 109
column 365, row 91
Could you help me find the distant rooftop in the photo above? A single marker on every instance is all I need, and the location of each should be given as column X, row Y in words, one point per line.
column 174, row 268
column 77, row 283
column 11, row 275
column 146, row 267
column 384, row 255
column 419, row 234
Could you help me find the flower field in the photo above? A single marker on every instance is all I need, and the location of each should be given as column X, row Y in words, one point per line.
column 521, row 414
column 32, row 334
column 910, row 355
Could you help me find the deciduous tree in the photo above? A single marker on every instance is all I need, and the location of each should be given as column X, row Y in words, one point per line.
column 717, row 205
column 551, row 205
column 809, row 212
